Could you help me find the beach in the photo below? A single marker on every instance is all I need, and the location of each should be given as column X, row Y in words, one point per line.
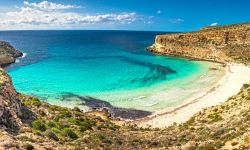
column 236, row 75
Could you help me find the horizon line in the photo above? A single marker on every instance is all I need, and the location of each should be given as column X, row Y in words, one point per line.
column 92, row 30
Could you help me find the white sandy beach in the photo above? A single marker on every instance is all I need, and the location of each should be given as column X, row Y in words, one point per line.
column 236, row 75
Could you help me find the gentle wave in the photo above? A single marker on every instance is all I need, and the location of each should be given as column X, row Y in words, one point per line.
column 140, row 97
column 24, row 55
column 18, row 59
column 151, row 104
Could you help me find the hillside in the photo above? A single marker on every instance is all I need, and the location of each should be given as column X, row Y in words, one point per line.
column 220, row 44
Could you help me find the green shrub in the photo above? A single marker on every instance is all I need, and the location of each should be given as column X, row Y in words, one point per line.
column 28, row 147
column 36, row 132
column 77, row 109
column 56, row 130
column 222, row 107
column 109, row 126
column 39, row 125
column 207, row 147
column 219, row 144
column 214, row 117
column 53, row 108
column 57, row 118
column 64, row 113
column 52, row 124
column 234, row 143
column 73, row 121
column 33, row 101
column 69, row 133
column 27, row 103
column 246, row 85
column 86, row 124
column 36, row 102
column 42, row 113
column 248, row 98
column 191, row 121
column 51, row 135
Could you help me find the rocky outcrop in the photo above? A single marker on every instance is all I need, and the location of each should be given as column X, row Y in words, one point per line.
column 8, row 53
column 12, row 112
column 220, row 44
column 10, row 106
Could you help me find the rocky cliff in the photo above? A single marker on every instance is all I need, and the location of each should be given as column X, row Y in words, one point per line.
column 8, row 53
column 12, row 112
column 10, row 106
column 220, row 44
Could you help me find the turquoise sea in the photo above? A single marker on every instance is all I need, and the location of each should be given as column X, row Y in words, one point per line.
column 84, row 68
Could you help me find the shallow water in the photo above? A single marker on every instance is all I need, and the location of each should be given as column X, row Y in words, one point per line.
column 65, row 67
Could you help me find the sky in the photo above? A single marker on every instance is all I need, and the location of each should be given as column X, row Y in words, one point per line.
column 146, row 15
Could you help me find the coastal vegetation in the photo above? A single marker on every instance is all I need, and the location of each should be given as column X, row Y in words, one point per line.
column 213, row 128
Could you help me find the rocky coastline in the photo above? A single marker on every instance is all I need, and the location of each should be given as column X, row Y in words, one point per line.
column 28, row 123
column 223, row 44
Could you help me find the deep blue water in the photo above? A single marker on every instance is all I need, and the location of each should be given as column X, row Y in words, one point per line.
column 99, row 64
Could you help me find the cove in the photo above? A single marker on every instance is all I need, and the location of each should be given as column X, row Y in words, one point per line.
column 62, row 67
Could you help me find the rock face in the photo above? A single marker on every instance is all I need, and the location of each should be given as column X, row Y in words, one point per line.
column 10, row 106
column 220, row 44
column 8, row 53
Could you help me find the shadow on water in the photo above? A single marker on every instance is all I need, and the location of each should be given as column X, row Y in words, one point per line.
column 93, row 103
column 157, row 72
column 153, row 67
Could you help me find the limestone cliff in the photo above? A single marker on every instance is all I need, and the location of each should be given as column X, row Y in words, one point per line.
column 220, row 44
column 8, row 53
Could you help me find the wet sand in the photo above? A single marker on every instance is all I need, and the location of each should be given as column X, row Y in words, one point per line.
column 236, row 75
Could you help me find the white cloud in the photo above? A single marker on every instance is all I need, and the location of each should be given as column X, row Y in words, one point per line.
column 158, row 12
column 176, row 21
column 29, row 15
column 51, row 14
column 214, row 24
column 45, row 5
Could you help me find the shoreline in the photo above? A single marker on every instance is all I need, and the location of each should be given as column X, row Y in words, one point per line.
column 180, row 113
column 229, row 85
column 152, row 50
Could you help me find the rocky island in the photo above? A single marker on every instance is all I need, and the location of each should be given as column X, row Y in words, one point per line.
column 28, row 123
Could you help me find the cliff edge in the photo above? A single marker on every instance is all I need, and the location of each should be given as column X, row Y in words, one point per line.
column 220, row 44
column 12, row 113
column 8, row 53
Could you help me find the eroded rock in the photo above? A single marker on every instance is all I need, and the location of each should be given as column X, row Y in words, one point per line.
column 8, row 53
